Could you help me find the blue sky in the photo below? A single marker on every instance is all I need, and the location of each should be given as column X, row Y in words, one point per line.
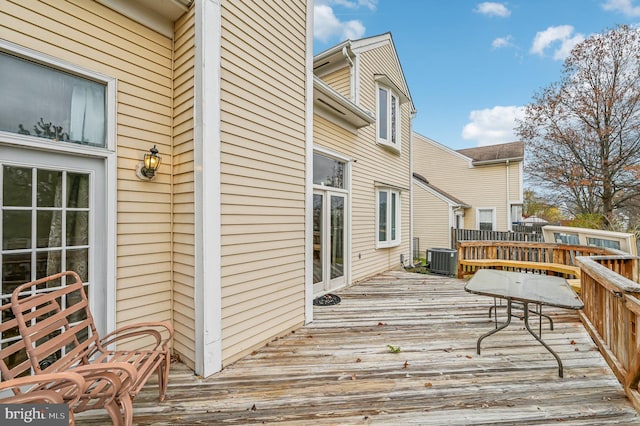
column 472, row 66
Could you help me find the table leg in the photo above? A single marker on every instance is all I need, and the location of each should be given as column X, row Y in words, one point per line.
column 494, row 308
column 539, row 339
column 497, row 328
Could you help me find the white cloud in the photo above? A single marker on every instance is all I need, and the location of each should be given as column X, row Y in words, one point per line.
column 561, row 36
column 493, row 9
column 492, row 126
column 369, row 4
column 501, row 42
column 565, row 48
column 624, row 6
column 326, row 26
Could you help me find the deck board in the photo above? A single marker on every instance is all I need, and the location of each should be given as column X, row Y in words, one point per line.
column 339, row 370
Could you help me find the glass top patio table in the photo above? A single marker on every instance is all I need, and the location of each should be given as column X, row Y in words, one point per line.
column 524, row 288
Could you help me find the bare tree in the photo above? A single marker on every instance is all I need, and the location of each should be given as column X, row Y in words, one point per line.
column 582, row 133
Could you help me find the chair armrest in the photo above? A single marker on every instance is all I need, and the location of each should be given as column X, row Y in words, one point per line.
column 121, row 375
column 48, row 387
column 34, row 397
column 142, row 329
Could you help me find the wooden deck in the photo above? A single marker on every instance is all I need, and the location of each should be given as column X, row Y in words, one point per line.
column 339, row 370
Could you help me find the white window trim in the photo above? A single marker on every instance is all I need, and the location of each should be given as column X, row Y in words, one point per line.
column 58, row 64
column 108, row 153
column 493, row 217
column 397, row 147
column 457, row 215
column 348, row 163
column 398, row 240
column 338, row 157
column 513, row 204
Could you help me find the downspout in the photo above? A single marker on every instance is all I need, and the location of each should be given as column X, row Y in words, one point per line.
column 509, row 219
column 352, row 94
column 411, row 247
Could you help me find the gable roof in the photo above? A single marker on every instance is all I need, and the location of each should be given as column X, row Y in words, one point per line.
column 500, row 153
column 344, row 52
column 455, row 202
column 373, row 42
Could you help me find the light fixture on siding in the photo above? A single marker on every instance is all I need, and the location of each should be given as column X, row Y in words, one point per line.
column 147, row 169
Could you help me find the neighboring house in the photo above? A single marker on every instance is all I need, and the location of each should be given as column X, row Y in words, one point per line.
column 220, row 241
column 361, row 162
column 475, row 188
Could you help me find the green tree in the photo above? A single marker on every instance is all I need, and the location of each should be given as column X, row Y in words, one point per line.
column 535, row 205
column 582, row 133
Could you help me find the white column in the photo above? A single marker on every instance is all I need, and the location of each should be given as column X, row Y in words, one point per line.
column 208, row 295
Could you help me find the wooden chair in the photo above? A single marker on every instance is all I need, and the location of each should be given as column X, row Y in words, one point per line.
column 60, row 334
column 102, row 388
column 57, row 388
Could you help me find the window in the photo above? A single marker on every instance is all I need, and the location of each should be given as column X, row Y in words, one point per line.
column 328, row 172
column 516, row 213
column 388, row 121
column 602, row 242
column 388, row 218
column 486, row 219
column 48, row 103
column 566, row 238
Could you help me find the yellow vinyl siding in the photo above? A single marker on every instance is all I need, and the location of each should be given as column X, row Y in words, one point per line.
column 183, row 191
column 340, row 81
column 91, row 36
column 374, row 165
column 430, row 219
column 515, row 190
column 479, row 186
column 262, row 172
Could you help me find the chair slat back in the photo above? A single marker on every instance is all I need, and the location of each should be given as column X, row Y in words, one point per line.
column 56, row 324
column 13, row 355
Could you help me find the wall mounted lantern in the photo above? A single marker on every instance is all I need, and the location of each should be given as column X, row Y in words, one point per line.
column 147, row 169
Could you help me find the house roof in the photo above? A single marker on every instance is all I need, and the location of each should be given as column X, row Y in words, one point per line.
column 434, row 189
column 344, row 52
column 500, row 153
column 373, row 42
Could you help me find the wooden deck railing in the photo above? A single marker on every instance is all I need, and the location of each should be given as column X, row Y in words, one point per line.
column 458, row 235
column 611, row 296
column 609, row 286
column 530, row 256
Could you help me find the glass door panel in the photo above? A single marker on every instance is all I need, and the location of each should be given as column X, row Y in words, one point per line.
column 318, row 236
column 42, row 245
column 337, row 236
column 329, row 241
column 52, row 216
